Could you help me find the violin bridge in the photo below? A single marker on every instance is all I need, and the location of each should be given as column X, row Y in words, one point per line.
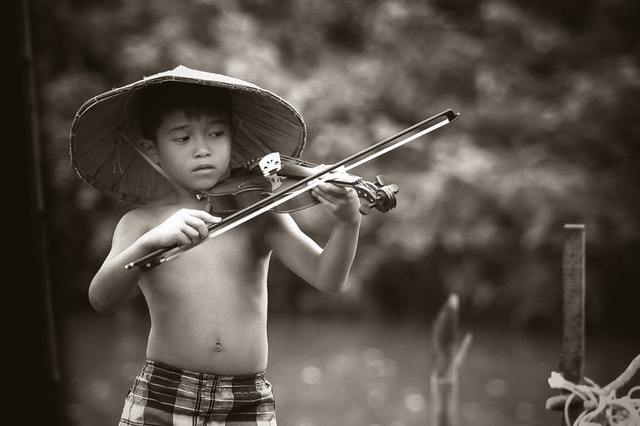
column 270, row 164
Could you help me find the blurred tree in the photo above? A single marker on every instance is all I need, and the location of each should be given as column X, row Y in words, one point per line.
column 549, row 96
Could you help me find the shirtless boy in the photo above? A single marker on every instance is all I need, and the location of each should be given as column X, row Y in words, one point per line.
column 207, row 347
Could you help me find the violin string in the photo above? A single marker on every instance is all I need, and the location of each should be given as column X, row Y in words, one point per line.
column 298, row 161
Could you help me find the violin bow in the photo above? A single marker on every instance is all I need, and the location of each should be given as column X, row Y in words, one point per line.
column 416, row 131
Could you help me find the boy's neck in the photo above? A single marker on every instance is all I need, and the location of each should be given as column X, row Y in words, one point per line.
column 188, row 199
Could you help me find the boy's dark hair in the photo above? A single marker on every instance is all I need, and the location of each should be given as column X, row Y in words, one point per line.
column 159, row 99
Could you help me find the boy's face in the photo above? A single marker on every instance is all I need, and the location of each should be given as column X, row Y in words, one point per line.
column 194, row 151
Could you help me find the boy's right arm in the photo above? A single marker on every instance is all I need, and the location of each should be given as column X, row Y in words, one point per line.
column 113, row 284
column 134, row 238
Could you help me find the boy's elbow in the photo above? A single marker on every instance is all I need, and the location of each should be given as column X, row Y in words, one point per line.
column 332, row 286
column 98, row 303
column 335, row 290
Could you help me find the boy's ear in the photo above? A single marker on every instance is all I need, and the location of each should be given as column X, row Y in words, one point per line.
column 149, row 148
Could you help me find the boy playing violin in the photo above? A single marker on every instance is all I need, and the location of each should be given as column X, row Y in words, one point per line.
column 170, row 138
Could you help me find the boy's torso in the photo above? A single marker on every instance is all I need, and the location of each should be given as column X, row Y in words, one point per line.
column 208, row 306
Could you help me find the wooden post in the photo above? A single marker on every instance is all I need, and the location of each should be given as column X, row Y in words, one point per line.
column 573, row 342
column 443, row 381
column 447, row 359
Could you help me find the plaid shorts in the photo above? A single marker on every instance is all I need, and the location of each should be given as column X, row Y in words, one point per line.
column 164, row 395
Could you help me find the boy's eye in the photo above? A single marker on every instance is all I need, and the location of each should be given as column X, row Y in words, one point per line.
column 216, row 133
column 183, row 138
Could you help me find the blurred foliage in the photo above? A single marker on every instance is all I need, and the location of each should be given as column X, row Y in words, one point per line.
column 549, row 95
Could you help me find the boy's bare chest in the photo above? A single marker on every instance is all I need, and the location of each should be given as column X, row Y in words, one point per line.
column 235, row 256
column 235, row 249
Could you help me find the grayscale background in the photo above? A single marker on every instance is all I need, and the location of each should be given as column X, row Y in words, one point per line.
column 549, row 134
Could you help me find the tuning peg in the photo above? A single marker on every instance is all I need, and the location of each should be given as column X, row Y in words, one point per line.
column 365, row 209
column 381, row 180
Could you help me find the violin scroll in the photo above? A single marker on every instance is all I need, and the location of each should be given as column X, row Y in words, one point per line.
column 379, row 195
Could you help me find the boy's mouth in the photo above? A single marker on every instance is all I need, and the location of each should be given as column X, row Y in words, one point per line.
column 203, row 167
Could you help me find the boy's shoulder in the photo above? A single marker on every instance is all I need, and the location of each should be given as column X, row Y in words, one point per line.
column 145, row 216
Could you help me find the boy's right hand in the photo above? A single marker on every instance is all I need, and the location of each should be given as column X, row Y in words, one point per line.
column 184, row 227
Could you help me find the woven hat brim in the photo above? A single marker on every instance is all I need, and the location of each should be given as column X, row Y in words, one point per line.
column 105, row 133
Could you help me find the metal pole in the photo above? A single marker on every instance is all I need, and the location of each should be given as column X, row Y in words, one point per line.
column 573, row 342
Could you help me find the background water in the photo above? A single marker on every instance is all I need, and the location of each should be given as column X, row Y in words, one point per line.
column 329, row 372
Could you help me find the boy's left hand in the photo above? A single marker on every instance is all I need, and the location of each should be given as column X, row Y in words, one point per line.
column 342, row 201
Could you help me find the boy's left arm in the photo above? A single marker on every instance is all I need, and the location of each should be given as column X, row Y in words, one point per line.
column 325, row 268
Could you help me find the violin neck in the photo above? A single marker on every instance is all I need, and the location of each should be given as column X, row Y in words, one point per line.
column 300, row 172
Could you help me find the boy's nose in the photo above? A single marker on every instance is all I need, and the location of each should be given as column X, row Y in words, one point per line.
column 201, row 149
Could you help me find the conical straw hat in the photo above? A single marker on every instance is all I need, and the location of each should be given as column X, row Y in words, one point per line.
column 105, row 133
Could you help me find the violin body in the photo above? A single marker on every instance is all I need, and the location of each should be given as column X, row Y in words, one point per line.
column 247, row 186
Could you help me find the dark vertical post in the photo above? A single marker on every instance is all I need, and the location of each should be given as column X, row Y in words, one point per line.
column 38, row 385
column 573, row 269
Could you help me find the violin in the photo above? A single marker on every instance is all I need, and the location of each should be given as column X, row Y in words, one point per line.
column 246, row 194
column 273, row 174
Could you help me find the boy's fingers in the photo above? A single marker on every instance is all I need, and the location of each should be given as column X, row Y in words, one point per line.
column 214, row 219
column 326, row 186
column 323, row 200
column 332, row 189
column 190, row 233
column 201, row 214
column 197, row 228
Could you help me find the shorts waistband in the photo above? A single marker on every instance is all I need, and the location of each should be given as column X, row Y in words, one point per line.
column 161, row 369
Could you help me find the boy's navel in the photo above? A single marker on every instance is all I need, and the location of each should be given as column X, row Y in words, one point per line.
column 218, row 347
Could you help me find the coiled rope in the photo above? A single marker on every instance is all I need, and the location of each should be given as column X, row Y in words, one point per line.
column 601, row 406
